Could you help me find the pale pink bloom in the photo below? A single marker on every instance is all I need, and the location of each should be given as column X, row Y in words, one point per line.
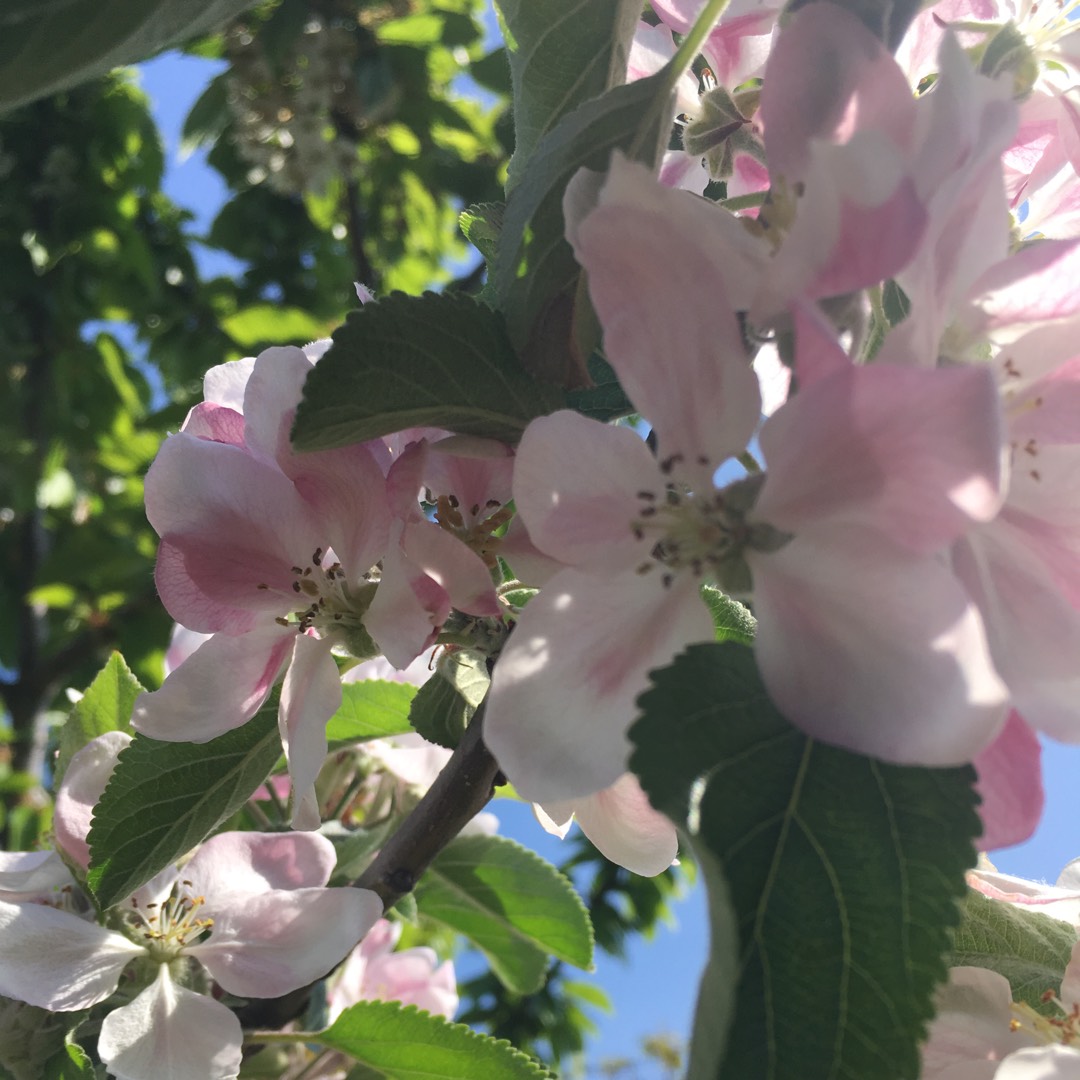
column 872, row 473
column 84, row 783
column 1010, row 785
column 432, row 567
column 1058, row 901
column 268, row 552
column 375, row 972
column 621, row 823
column 251, row 908
column 35, row 876
column 979, row 1033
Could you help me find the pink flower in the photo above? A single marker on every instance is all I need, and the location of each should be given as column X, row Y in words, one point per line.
column 267, row 551
column 374, row 972
column 251, row 908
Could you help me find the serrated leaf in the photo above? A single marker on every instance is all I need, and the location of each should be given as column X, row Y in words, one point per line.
column 47, row 47
column 515, row 907
column 32, row 1038
column 732, row 621
column 371, row 709
column 164, row 798
column 605, row 400
column 1030, row 949
column 106, row 706
column 402, row 1043
column 562, row 52
column 437, row 360
column 440, row 713
column 481, row 224
column 843, row 872
column 71, row 1063
column 535, row 272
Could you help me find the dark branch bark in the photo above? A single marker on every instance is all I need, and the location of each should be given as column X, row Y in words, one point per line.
column 460, row 792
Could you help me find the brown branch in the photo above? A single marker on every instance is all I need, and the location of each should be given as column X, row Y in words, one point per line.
column 460, row 792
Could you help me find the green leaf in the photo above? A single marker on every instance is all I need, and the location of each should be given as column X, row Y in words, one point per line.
column 417, row 361
column 515, row 907
column 31, row 1039
column 535, row 272
column 605, row 400
column 106, row 706
column 164, row 798
column 402, row 1043
column 371, row 709
column 731, row 620
column 445, row 704
column 207, row 118
column 71, row 1063
column 1030, row 949
column 264, row 324
column 481, row 224
column 562, row 53
column 46, row 47
column 844, row 874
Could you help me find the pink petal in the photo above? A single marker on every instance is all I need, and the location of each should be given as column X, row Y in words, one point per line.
column 452, row 565
column 250, row 863
column 275, row 942
column 648, row 264
column 216, row 423
column 914, row 453
column 84, row 782
column 171, row 1033
column 1010, row 785
column 622, row 824
column 907, row 678
column 182, row 643
column 584, row 515
column 273, row 391
column 310, row 695
column 218, row 688
column 827, row 77
column 56, row 960
column 225, row 384
column 475, row 471
column 563, row 692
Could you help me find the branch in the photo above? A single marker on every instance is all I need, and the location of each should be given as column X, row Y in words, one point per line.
column 459, row 793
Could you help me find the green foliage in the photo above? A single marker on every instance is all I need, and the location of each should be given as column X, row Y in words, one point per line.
column 481, row 225
column 516, row 908
column 412, row 361
column 371, row 709
column 842, row 874
column 552, row 72
column 70, row 1063
column 106, row 706
column 1030, row 949
column 45, row 48
column 164, row 798
column 605, row 399
column 536, row 275
column 402, row 1043
column 446, row 702
column 731, row 620
column 33, row 1041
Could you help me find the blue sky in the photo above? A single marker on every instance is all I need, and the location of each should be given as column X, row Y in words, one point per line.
column 653, row 991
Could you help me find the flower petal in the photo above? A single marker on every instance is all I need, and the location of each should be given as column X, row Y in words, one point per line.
column 563, row 692
column 251, row 863
column 1010, row 785
column 275, row 942
column 171, row 1033
column 906, row 677
column 310, row 695
column 218, row 688
column 84, row 782
column 57, row 961
column 1056, row 1062
column 27, row 875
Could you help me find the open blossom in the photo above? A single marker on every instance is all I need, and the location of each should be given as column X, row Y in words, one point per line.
column 375, row 972
column 871, row 474
column 251, row 908
column 269, row 552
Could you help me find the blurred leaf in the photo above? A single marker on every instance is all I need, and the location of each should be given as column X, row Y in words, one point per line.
column 106, row 706
column 371, row 709
column 46, row 47
column 164, row 798
column 1030, row 949
column 265, row 324
column 843, row 872
column 419, row 361
column 481, row 225
column 31, row 1039
column 605, row 400
column 207, row 119
column 562, row 53
column 71, row 1063
column 731, row 620
column 402, row 1043
column 516, row 908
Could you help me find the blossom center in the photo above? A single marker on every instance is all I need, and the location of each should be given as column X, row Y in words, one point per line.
column 478, row 529
column 166, row 929
column 1064, row 1029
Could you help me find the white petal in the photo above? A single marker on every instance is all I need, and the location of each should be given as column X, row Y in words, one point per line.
column 1041, row 1063
column 56, row 960
column 171, row 1033
column 25, row 875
